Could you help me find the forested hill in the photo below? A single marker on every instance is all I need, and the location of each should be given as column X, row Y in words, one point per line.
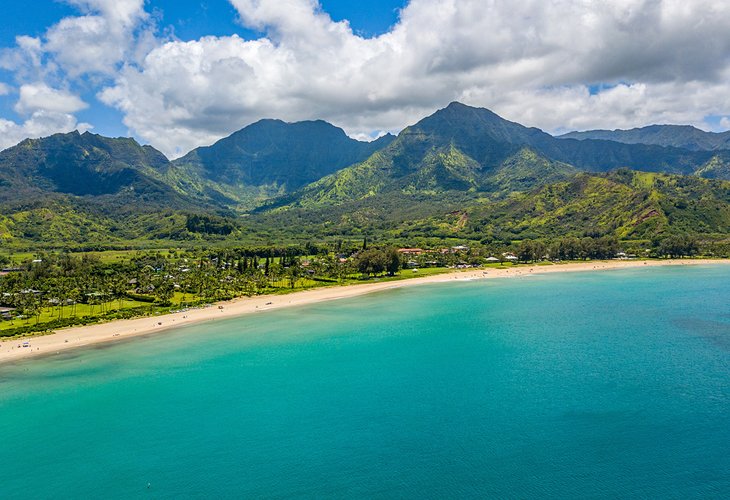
column 472, row 149
column 269, row 158
column 112, row 171
column 277, row 180
column 489, row 139
column 678, row 136
column 623, row 204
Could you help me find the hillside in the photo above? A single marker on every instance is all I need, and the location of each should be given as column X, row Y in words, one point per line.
column 266, row 159
column 462, row 172
column 84, row 189
column 625, row 204
column 677, row 136
column 113, row 172
column 458, row 148
column 472, row 149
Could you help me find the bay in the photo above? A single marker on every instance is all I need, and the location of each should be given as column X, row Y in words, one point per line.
column 576, row 385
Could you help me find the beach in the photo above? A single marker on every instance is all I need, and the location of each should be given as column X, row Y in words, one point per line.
column 75, row 337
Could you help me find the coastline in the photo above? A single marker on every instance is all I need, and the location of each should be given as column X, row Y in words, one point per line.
column 81, row 336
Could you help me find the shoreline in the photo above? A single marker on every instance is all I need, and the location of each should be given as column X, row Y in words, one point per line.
column 82, row 336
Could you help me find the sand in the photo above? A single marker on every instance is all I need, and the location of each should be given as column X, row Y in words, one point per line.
column 75, row 337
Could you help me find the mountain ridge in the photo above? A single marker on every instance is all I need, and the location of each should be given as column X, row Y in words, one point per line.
column 271, row 157
column 273, row 172
column 461, row 147
column 680, row 136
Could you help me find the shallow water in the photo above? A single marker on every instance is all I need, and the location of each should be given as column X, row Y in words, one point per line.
column 577, row 385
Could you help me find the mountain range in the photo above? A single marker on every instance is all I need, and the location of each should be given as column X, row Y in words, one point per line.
column 678, row 136
column 437, row 178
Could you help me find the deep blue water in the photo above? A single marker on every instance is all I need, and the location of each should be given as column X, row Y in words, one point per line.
column 586, row 385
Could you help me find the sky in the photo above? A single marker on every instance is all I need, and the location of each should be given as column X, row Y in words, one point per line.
column 179, row 74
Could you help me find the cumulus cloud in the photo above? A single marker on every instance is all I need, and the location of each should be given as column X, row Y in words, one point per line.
column 41, row 97
column 98, row 41
column 533, row 61
column 77, row 50
column 555, row 64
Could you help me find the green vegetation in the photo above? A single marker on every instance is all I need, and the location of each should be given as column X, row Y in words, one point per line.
column 678, row 136
column 267, row 159
column 55, row 290
column 105, row 228
column 461, row 174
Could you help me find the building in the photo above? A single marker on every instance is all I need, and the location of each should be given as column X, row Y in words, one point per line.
column 410, row 251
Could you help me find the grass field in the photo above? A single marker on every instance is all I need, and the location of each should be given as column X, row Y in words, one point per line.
column 78, row 311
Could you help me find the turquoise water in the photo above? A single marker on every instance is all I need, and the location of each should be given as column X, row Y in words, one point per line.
column 613, row 384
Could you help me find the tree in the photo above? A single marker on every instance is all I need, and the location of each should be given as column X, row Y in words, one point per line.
column 370, row 261
column 531, row 250
column 164, row 290
column 392, row 261
column 678, row 246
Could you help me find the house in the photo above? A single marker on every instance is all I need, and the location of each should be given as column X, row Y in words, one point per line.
column 6, row 312
column 410, row 251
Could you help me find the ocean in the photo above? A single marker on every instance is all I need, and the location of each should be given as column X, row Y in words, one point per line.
column 577, row 385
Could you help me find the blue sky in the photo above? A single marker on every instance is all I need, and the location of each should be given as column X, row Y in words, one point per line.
column 178, row 74
column 183, row 20
column 191, row 20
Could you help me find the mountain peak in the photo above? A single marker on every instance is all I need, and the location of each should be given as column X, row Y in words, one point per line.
column 458, row 105
column 272, row 157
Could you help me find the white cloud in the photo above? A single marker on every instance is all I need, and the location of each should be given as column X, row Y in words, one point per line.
column 39, row 124
column 45, row 67
column 125, row 13
column 98, row 41
column 533, row 61
column 41, row 97
column 25, row 59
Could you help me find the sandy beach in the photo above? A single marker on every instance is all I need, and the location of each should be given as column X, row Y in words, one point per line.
column 75, row 337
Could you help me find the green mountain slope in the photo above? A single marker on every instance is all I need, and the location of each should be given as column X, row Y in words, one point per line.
column 473, row 149
column 490, row 139
column 626, row 204
column 458, row 148
column 114, row 171
column 85, row 189
column 678, row 136
column 462, row 172
column 268, row 158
